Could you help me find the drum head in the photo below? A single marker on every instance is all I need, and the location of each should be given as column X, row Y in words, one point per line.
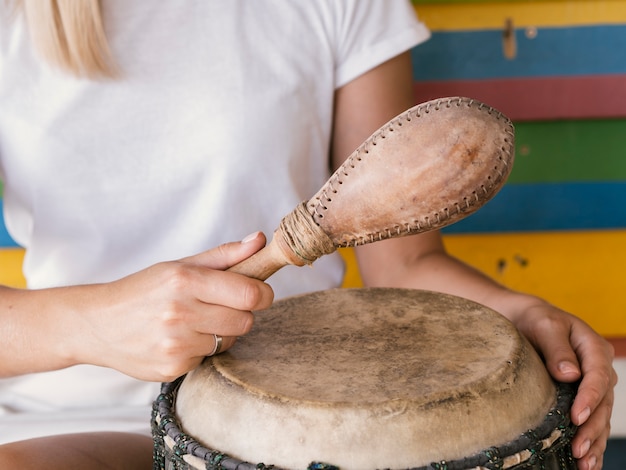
column 367, row 378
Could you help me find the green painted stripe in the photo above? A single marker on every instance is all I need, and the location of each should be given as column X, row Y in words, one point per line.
column 570, row 151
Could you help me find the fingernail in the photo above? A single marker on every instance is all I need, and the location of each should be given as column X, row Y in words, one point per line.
column 250, row 237
column 582, row 417
column 567, row 368
column 592, row 462
column 584, row 448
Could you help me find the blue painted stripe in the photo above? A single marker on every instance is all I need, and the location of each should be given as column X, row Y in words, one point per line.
column 545, row 207
column 5, row 238
column 470, row 55
column 529, row 207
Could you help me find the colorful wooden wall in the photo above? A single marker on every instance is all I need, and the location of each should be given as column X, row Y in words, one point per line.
column 558, row 70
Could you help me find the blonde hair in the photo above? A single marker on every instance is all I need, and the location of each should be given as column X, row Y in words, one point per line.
column 69, row 34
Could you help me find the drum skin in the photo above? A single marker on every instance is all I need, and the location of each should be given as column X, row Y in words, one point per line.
column 367, row 378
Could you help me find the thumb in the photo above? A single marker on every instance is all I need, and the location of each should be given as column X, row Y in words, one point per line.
column 226, row 255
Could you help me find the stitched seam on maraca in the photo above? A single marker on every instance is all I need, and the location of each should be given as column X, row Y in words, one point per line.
column 437, row 218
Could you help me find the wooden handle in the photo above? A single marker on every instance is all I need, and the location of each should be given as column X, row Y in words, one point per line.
column 275, row 255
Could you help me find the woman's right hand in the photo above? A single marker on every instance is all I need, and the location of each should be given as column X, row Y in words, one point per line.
column 155, row 325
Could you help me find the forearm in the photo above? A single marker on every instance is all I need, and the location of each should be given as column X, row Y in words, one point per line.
column 395, row 263
column 36, row 329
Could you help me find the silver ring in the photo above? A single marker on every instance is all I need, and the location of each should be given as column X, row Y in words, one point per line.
column 218, row 345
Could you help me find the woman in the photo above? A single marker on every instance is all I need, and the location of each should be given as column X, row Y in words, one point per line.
column 134, row 136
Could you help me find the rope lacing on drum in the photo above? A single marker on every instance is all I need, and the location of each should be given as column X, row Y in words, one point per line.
column 321, row 466
column 550, row 440
column 495, row 461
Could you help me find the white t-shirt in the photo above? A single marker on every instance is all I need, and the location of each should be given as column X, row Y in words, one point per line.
column 218, row 127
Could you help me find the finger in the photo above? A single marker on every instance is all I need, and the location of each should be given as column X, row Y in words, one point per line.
column 593, row 453
column 205, row 346
column 233, row 290
column 599, row 377
column 214, row 287
column 591, row 437
column 559, row 356
column 220, row 320
column 177, row 356
column 221, row 344
column 229, row 254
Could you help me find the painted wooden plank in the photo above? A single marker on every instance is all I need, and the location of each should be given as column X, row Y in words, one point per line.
column 549, row 207
column 447, row 15
column 570, row 151
column 581, row 272
column 544, row 98
column 620, row 347
column 5, row 238
column 473, row 55
column 11, row 267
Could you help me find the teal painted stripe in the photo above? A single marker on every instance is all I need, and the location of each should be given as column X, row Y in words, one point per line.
column 570, row 151
column 5, row 238
column 549, row 207
column 471, row 55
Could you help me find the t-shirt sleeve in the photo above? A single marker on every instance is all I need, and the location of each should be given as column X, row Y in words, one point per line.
column 370, row 32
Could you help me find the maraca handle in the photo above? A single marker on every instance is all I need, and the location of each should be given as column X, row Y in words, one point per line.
column 268, row 260
column 297, row 241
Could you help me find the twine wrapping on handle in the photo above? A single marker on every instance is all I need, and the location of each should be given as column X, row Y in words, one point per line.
column 303, row 236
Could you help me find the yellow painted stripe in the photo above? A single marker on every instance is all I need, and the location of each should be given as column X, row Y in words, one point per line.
column 11, row 267
column 527, row 14
column 581, row 272
column 352, row 277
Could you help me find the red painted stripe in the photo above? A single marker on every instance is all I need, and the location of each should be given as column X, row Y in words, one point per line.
column 532, row 99
column 620, row 346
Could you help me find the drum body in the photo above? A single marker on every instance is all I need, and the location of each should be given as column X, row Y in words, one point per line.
column 365, row 379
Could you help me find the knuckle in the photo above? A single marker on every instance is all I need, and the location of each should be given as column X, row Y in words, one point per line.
column 178, row 278
column 253, row 296
column 172, row 363
column 172, row 314
column 171, row 348
column 246, row 323
column 548, row 323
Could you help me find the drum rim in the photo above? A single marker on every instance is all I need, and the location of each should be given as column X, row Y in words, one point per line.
column 553, row 433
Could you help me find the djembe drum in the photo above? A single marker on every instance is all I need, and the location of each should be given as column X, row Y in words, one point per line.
column 365, row 379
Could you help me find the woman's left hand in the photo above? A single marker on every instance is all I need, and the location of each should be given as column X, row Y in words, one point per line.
column 573, row 351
